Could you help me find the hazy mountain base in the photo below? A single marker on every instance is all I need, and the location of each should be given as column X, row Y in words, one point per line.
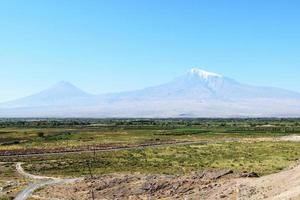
column 165, row 109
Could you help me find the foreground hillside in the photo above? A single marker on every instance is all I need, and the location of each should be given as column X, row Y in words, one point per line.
column 207, row 184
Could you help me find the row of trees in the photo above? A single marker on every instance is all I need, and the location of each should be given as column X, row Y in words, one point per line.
column 140, row 123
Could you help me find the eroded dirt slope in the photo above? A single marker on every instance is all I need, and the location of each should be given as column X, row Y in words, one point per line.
column 279, row 186
column 209, row 185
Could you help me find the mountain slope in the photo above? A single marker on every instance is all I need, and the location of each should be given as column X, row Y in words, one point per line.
column 198, row 84
column 196, row 93
column 60, row 94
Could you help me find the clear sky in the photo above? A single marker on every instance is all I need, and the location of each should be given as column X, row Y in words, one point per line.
column 115, row 45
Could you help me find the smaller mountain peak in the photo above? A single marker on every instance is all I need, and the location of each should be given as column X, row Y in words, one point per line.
column 65, row 86
column 63, row 83
column 203, row 74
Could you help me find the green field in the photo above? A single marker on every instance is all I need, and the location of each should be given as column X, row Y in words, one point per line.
column 260, row 157
column 57, row 134
column 242, row 145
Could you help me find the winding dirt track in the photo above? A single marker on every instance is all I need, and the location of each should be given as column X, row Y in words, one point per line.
column 38, row 182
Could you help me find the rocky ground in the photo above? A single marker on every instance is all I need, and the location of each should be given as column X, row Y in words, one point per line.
column 116, row 186
column 208, row 185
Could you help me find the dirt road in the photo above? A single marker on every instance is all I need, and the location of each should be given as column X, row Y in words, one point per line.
column 293, row 138
column 104, row 149
column 38, row 182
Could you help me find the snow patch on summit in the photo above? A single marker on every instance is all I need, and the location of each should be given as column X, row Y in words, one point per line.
column 203, row 74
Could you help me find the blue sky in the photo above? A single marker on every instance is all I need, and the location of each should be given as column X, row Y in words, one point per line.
column 116, row 45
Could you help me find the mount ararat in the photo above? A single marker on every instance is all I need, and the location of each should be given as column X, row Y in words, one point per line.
column 197, row 93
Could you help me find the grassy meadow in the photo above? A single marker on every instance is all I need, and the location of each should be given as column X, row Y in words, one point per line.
column 241, row 145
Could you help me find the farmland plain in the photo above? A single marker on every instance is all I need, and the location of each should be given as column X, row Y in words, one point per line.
column 96, row 148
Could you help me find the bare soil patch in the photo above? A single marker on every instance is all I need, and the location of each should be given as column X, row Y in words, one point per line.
column 208, row 184
column 282, row 185
column 117, row 186
column 293, row 138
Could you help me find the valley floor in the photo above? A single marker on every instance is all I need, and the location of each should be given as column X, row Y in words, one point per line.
column 205, row 159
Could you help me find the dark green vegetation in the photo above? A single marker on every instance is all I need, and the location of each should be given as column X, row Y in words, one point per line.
column 16, row 134
column 239, row 144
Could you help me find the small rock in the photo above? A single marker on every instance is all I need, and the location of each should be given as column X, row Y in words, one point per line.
column 250, row 175
column 138, row 191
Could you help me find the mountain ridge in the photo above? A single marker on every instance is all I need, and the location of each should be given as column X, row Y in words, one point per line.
column 197, row 93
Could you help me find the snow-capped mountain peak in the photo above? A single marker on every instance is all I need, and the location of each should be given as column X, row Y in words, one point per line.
column 196, row 93
column 203, row 74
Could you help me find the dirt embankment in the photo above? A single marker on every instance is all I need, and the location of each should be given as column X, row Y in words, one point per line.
column 293, row 138
column 209, row 185
column 279, row 186
column 116, row 186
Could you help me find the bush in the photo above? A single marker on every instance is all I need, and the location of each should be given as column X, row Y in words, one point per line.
column 41, row 134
